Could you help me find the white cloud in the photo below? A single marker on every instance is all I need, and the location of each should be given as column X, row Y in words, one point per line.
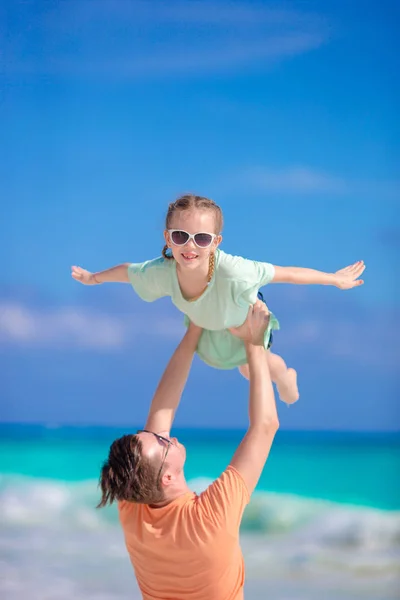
column 350, row 339
column 202, row 12
column 301, row 179
column 298, row 179
column 127, row 39
column 67, row 327
column 373, row 346
column 67, row 15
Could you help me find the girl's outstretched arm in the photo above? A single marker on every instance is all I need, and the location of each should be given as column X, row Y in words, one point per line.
column 118, row 274
column 344, row 279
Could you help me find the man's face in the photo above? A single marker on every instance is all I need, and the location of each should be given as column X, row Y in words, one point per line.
column 156, row 448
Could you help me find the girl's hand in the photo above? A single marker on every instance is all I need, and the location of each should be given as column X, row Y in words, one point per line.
column 347, row 278
column 83, row 276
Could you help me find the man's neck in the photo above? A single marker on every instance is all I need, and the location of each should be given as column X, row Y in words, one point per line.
column 172, row 495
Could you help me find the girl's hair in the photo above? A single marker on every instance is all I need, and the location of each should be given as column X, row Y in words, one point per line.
column 187, row 202
column 128, row 475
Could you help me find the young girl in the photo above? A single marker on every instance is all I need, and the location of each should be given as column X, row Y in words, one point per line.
column 214, row 289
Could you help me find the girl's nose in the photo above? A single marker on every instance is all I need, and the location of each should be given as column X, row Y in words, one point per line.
column 190, row 245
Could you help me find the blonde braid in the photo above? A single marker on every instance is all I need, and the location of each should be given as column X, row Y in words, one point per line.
column 164, row 253
column 211, row 267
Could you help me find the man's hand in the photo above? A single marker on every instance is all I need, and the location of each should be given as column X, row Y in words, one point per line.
column 83, row 276
column 253, row 329
column 347, row 278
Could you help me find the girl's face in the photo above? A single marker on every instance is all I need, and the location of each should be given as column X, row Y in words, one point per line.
column 190, row 256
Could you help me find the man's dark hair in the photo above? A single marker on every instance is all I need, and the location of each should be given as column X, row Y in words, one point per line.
column 128, row 475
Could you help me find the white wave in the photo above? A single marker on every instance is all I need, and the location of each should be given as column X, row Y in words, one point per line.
column 52, row 538
column 25, row 500
column 199, row 484
column 30, row 501
column 331, row 523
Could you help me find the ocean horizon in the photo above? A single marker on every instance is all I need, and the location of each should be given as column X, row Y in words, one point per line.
column 323, row 522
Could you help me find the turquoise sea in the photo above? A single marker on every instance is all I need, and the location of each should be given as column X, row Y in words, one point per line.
column 323, row 523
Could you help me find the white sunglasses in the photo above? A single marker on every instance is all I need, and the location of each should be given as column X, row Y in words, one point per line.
column 201, row 240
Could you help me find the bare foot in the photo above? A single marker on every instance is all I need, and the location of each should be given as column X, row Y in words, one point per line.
column 287, row 387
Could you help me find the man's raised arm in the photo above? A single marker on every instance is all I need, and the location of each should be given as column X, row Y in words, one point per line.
column 250, row 457
column 169, row 391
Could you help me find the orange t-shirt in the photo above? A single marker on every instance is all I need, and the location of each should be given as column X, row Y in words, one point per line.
column 189, row 549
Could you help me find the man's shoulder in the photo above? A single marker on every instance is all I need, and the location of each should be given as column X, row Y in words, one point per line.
column 124, row 508
column 224, row 498
column 229, row 479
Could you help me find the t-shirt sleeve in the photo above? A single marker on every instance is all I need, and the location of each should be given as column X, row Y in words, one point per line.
column 266, row 272
column 246, row 277
column 224, row 501
column 251, row 272
column 150, row 279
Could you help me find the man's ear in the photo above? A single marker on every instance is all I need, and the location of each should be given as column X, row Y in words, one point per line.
column 167, row 479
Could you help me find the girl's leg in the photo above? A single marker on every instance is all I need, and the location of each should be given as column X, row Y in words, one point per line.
column 244, row 370
column 285, row 379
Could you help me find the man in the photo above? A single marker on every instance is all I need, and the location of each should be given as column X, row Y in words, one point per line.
column 185, row 546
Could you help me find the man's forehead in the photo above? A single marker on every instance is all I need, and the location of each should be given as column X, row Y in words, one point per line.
column 150, row 444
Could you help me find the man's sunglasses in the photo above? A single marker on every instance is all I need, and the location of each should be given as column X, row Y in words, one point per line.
column 180, row 238
column 163, row 440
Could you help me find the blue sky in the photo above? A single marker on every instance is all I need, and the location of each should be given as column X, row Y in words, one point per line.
column 284, row 113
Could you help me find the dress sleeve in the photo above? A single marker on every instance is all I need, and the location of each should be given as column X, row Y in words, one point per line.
column 224, row 501
column 150, row 279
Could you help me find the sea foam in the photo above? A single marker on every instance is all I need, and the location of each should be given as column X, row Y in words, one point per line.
column 55, row 545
